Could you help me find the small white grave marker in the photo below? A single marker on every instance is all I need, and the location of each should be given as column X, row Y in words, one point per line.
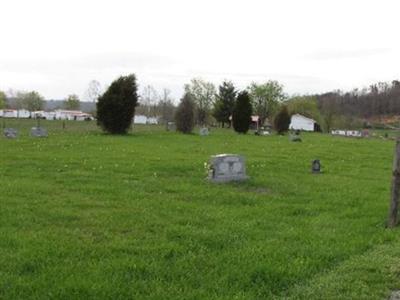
column 204, row 131
column 171, row 126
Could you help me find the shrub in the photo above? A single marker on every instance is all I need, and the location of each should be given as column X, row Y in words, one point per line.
column 242, row 111
column 116, row 107
column 184, row 116
column 282, row 120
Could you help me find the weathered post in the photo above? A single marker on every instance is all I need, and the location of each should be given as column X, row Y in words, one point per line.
column 394, row 201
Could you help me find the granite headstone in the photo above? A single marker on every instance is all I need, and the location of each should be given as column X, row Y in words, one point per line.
column 10, row 133
column 171, row 126
column 226, row 168
column 204, row 131
column 38, row 132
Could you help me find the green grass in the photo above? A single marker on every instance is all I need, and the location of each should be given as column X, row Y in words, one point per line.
column 84, row 215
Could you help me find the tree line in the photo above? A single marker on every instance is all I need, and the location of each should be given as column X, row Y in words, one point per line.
column 201, row 104
column 216, row 105
column 33, row 101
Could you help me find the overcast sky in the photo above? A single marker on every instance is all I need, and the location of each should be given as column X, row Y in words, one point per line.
column 57, row 46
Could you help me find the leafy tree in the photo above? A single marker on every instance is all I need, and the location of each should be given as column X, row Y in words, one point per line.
column 148, row 101
column 242, row 113
column 282, row 120
column 93, row 91
column 116, row 107
column 184, row 116
column 329, row 107
column 203, row 94
column 225, row 102
column 31, row 101
column 265, row 98
column 3, row 100
column 304, row 105
column 72, row 102
column 166, row 107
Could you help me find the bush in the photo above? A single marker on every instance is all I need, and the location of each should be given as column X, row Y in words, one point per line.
column 184, row 116
column 116, row 107
column 282, row 120
column 242, row 111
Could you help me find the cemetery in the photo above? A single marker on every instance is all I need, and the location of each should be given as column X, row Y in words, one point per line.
column 155, row 212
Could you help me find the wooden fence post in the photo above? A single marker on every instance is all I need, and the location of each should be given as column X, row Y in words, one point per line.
column 394, row 201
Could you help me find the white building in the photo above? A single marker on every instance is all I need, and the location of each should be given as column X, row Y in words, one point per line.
column 351, row 133
column 140, row 119
column 9, row 113
column 23, row 113
column 75, row 115
column 39, row 114
column 49, row 115
column 152, row 120
column 299, row 122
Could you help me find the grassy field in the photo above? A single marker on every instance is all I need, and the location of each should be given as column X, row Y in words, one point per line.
column 85, row 215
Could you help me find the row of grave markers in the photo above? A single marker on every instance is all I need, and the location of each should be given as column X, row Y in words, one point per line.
column 204, row 131
column 12, row 133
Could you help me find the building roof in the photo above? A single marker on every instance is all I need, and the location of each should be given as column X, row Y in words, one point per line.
column 301, row 116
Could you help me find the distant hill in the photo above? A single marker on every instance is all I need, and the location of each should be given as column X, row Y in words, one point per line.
column 50, row 105
column 58, row 104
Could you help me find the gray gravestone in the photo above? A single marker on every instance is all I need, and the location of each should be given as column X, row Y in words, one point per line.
column 316, row 166
column 204, row 131
column 10, row 133
column 227, row 167
column 395, row 295
column 38, row 132
column 294, row 138
column 171, row 126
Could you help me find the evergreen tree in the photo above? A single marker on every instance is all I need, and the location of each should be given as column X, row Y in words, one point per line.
column 225, row 102
column 116, row 107
column 282, row 120
column 242, row 113
column 184, row 116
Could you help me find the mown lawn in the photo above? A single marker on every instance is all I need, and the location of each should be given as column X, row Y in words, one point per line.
column 85, row 215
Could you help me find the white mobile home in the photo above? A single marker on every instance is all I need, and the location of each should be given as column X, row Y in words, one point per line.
column 75, row 115
column 152, row 120
column 140, row 119
column 351, row 133
column 9, row 113
column 49, row 115
column 299, row 122
column 24, row 114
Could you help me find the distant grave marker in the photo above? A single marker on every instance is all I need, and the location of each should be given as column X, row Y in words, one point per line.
column 38, row 132
column 10, row 133
column 226, row 168
column 204, row 131
column 316, row 166
column 171, row 126
column 295, row 137
column 262, row 132
column 365, row 133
